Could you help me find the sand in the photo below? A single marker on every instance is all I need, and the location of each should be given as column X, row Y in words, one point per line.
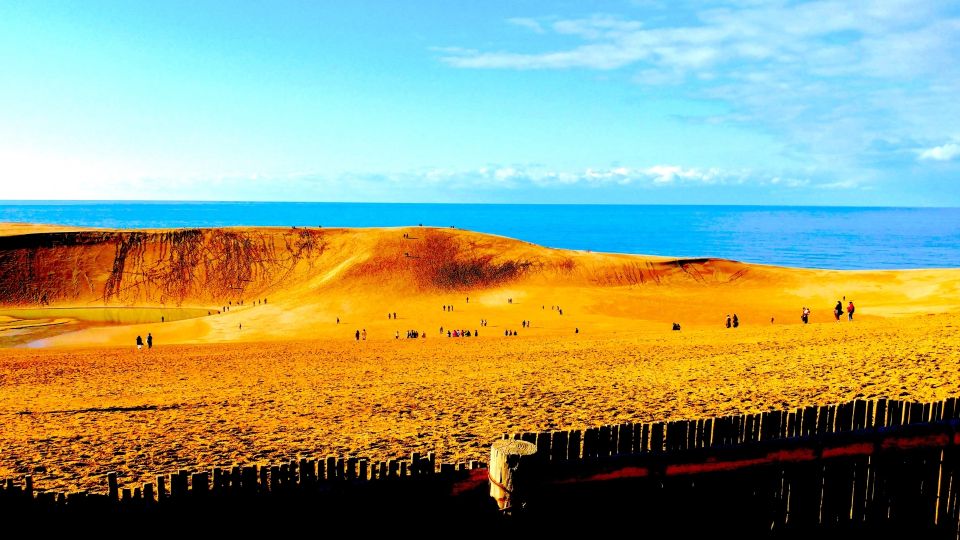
column 293, row 382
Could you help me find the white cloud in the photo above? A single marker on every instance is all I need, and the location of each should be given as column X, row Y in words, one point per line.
column 528, row 23
column 945, row 152
column 828, row 78
column 513, row 177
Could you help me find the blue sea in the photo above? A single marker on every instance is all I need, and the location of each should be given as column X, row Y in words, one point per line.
column 813, row 237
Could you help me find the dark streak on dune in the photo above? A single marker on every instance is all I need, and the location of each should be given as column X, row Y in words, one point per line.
column 169, row 267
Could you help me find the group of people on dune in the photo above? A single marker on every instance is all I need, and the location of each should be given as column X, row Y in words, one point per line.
column 837, row 312
column 734, row 322
column 149, row 341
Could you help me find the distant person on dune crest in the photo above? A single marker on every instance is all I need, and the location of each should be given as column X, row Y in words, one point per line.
column 139, row 343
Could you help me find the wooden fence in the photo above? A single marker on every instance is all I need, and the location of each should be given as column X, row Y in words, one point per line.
column 859, row 466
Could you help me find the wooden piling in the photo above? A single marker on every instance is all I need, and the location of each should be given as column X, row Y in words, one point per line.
column 509, row 481
column 573, row 445
column 112, row 486
column 558, row 446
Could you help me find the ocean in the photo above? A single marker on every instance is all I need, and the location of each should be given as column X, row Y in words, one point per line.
column 811, row 237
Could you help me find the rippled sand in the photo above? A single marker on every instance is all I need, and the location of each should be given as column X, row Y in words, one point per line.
column 71, row 415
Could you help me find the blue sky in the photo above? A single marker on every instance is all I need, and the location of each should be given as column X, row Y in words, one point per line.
column 714, row 102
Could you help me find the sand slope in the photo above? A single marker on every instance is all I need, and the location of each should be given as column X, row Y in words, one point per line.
column 311, row 277
column 294, row 382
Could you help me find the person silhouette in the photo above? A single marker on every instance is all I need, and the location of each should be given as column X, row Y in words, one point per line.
column 149, row 340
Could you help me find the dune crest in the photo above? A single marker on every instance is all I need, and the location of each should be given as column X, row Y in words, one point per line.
column 316, row 278
column 209, row 266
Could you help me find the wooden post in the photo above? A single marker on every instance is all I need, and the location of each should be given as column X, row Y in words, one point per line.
column 880, row 414
column 264, row 481
column 748, row 428
column 859, row 414
column 558, row 446
column 656, row 438
column 148, row 492
column 112, row 483
column 950, row 409
column 161, row 488
column 543, row 445
column 249, row 480
column 127, row 495
column 331, row 467
column 809, row 425
column 351, row 468
column 364, row 465
column 416, row 468
column 509, row 480
column 588, row 443
column 274, row 479
column 200, row 484
column 625, row 439
column 573, row 445
column 603, row 442
column 636, row 447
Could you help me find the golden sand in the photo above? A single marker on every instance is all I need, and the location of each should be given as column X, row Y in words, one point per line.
column 293, row 382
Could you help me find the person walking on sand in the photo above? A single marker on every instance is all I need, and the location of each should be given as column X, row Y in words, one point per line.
column 850, row 309
column 736, row 321
column 364, row 334
column 358, row 335
column 149, row 340
column 838, row 311
column 139, row 343
column 728, row 321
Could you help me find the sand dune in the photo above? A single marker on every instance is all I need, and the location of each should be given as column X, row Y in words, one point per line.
column 310, row 277
column 292, row 381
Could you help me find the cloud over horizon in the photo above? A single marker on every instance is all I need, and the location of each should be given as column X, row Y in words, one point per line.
column 832, row 80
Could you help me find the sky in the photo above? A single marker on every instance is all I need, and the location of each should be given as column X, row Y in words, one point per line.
column 638, row 102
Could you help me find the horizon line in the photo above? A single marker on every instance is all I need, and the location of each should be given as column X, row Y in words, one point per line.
column 40, row 202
